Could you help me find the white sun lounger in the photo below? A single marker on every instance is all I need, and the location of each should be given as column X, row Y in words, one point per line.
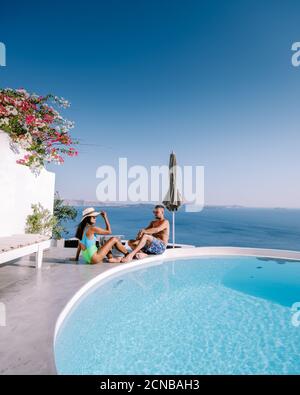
column 18, row 246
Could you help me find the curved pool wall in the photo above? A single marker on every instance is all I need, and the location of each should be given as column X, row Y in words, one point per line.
column 169, row 255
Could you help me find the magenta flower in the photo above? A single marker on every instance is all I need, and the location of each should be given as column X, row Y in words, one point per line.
column 29, row 119
column 36, row 126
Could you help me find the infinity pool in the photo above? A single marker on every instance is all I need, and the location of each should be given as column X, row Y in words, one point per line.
column 225, row 315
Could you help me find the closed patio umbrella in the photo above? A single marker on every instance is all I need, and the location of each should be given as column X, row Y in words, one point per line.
column 173, row 199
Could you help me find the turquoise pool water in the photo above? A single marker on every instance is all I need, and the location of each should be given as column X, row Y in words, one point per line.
column 225, row 315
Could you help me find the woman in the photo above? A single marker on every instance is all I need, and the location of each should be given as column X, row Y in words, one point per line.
column 86, row 232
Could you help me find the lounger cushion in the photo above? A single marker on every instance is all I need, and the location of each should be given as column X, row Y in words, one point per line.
column 18, row 241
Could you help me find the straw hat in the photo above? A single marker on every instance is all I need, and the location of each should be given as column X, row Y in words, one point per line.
column 89, row 212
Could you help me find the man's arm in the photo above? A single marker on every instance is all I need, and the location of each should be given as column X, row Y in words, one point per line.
column 150, row 225
column 141, row 232
column 157, row 229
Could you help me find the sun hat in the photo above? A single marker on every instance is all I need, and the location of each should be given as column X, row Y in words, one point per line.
column 89, row 212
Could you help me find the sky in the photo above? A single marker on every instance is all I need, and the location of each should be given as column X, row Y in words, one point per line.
column 211, row 80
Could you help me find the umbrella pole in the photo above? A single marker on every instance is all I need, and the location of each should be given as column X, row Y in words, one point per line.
column 173, row 230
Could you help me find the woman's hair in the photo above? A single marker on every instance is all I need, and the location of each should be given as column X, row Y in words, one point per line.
column 81, row 226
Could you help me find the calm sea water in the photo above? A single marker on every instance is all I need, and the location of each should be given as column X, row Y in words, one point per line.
column 244, row 227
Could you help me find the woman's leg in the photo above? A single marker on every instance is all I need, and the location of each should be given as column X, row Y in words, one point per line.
column 105, row 250
column 110, row 254
column 119, row 246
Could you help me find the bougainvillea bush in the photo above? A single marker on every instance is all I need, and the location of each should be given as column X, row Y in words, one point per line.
column 35, row 125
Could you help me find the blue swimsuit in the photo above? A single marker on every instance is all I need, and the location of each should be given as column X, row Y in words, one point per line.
column 90, row 247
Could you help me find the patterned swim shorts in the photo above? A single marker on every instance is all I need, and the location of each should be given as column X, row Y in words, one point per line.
column 156, row 247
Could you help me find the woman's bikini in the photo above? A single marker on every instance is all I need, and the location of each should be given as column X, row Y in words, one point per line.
column 90, row 246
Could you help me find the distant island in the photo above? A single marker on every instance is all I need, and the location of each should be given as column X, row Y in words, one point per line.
column 96, row 203
column 92, row 203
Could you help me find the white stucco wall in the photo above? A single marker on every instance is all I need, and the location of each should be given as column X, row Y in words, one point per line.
column 19, row 188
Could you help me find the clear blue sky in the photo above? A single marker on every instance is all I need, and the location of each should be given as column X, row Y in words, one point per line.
column 214, row 75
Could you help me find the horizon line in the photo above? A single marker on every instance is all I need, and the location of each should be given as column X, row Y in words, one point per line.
column 116, row 203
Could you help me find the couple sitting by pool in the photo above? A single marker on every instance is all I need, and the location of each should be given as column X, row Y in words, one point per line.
column 152, row 240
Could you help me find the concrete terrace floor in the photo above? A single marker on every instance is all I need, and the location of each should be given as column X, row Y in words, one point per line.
column 33, row 300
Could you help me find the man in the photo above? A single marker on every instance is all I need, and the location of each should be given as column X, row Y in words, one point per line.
column 153, row 239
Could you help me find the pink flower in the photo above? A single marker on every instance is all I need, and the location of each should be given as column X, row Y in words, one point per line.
column 45, row 132
column 48, row 118
column 30, row 119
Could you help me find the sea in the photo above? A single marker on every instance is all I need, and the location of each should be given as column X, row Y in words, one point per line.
column 213, row 226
